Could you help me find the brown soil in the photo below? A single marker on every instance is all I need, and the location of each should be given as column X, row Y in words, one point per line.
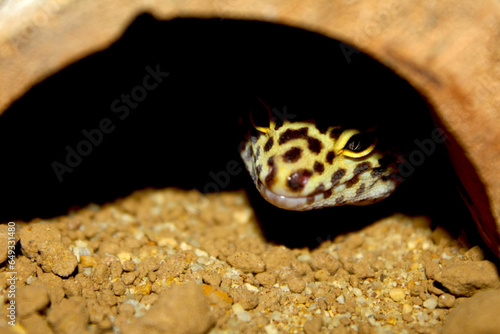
column 171, row 261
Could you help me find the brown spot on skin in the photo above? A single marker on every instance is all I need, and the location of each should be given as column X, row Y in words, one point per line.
column 319, row 189
column 362, row 167
column 292, row 134
column 257, row 153
column 337, row 176
column 292, row 154
column 388, row 177
column 269, row 144
column 310, row 199
column 318, row 167
column 327, row 193
column 339, row 200
column 335, row 133
column 360, row 190
column 322, row 129
column 352, row 181
column 314, row 145
column 249, row 152
column 376, row 172
column 258, row 169
column 272, row 172
column 298, row 180
column 329, row 157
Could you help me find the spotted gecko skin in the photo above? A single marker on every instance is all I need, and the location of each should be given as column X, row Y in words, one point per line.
column 297, row 166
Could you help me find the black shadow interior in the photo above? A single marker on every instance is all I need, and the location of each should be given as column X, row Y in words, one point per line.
column 167, row 98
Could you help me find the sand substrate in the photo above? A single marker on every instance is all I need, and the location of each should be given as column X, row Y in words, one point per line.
column 171, row 261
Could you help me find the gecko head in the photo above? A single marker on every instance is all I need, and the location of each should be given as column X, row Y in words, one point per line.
column 298, row 166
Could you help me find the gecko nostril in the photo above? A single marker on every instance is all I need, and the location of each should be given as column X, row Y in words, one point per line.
column 298, row 180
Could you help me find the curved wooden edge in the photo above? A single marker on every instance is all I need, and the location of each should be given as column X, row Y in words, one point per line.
column 448, row 50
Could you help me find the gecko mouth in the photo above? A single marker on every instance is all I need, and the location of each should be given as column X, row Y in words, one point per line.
column 300, row 203
column 303, row 203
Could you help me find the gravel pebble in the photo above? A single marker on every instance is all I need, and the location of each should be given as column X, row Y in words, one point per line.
column 474, row 254
column 69, row 316
column 266, row 279
column 128, row 265
column 241, row 313
column 181, row 309
column 407, row 308
column 446, row 300
column 296, row 285
column 88, row 261
column 313, row 326
column 465, row 278
column 324, row 260
column 248, row 262
column 43, row 243
column 431, row 303
column 397, row 294
column 31, row 299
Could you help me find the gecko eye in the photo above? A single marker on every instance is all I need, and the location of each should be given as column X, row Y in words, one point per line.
column 360, row 145
column 357, row 143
